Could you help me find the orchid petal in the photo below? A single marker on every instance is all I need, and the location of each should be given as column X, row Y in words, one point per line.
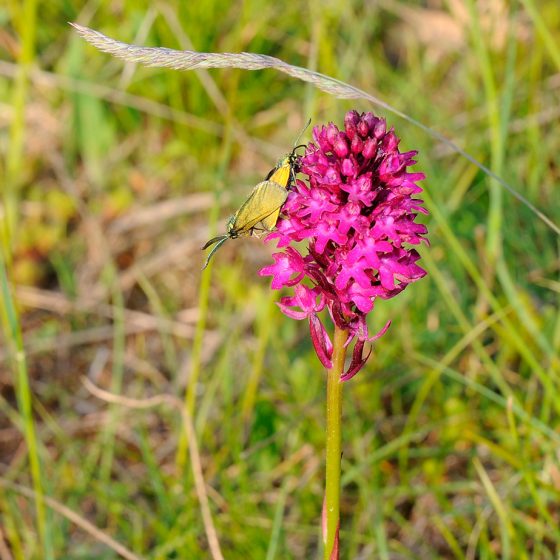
column 357, row 363
column 321, row 341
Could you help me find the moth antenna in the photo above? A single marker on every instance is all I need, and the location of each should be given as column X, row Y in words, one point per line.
column 301, row 133
column 219, row 242
column 213, row 240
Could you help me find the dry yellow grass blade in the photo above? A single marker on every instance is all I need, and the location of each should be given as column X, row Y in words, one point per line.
column 191, row 60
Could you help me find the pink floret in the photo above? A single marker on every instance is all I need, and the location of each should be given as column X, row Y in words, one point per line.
column 357, row 213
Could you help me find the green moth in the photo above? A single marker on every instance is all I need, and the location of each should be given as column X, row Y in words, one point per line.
column 261, row 209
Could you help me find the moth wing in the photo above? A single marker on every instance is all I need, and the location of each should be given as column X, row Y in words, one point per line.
column 275, row 199
column 281, row 173
column 269, row 223
column 264, row 202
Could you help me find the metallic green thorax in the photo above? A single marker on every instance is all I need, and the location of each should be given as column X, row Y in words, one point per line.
column 230, row 227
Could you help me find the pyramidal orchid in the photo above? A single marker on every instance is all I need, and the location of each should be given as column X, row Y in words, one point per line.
column 357, row 212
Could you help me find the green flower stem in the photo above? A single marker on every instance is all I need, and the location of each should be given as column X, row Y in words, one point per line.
column 334, row 417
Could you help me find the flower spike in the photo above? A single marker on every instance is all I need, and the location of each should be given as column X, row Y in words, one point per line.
column 358, row 213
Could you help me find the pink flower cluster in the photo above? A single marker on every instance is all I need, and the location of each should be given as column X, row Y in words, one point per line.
column 357, row 213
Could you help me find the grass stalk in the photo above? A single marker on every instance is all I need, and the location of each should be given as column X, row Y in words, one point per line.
column 119, row 341
column 203, row 302
column 14, row 341
column 196, row 355
column 550, row 43
column 494, row 221
column 264, row 327
column 14, row 157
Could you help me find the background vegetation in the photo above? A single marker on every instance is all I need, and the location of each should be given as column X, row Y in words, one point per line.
column 115, row 175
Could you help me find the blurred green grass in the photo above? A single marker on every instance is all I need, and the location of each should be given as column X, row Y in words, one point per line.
column 450, row 433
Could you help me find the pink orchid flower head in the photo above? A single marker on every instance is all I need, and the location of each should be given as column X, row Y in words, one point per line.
column 357, row 213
